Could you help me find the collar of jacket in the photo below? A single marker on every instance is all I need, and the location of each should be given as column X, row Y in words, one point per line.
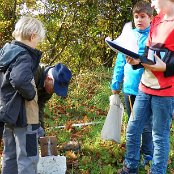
column 35, row 54
column 143, row 31
column 28, row 48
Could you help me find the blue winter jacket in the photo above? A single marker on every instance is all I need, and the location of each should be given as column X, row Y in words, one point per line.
column 18, row 62
column 124, row 73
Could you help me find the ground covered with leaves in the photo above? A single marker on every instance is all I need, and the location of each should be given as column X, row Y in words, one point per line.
column 88, row 102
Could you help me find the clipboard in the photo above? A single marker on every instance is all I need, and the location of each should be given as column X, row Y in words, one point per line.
column 118, row 48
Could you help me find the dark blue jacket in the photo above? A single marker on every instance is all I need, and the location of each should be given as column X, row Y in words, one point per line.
column 18, row 62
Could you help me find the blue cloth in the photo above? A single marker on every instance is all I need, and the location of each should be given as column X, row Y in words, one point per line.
column 8, row 53
column 160, row 109
column 62, row 76
column 146, row 145
column 123, row 70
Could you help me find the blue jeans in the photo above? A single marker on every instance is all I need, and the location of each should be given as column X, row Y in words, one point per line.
column 147, row 144
column 161, row 110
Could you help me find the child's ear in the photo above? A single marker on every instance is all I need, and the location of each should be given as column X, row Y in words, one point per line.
column 32, row 37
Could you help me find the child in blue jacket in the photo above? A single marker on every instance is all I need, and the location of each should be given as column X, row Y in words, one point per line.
column 18, row 97
column 124, row 73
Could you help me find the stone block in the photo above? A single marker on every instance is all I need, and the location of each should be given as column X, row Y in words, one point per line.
column 52, row 165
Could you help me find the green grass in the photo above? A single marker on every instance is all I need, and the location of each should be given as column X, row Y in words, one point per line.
column 88, row 101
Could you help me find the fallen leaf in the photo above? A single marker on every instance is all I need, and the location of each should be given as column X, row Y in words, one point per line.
column 70, row 154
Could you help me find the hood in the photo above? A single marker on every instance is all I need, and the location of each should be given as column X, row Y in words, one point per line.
column 8, row 53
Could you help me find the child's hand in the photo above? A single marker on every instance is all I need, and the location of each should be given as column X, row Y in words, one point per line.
column 158, row 66
column 132, row 61
column 115, row 91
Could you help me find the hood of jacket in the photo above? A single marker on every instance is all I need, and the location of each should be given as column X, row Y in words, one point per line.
column 11, row 50
column 8, row 54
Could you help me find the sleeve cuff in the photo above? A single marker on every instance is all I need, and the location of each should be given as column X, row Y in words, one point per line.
column 115, row 86
column 169, row 70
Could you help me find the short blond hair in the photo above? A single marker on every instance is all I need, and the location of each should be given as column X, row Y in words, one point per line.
column 27, row 26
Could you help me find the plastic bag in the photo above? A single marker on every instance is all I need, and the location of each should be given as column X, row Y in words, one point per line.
column 112, row 126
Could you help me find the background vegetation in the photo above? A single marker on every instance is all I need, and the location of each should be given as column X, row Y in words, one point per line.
column 75, row 36
column 76, row 29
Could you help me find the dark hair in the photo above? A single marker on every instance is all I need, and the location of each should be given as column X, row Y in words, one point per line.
column 143, row 7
